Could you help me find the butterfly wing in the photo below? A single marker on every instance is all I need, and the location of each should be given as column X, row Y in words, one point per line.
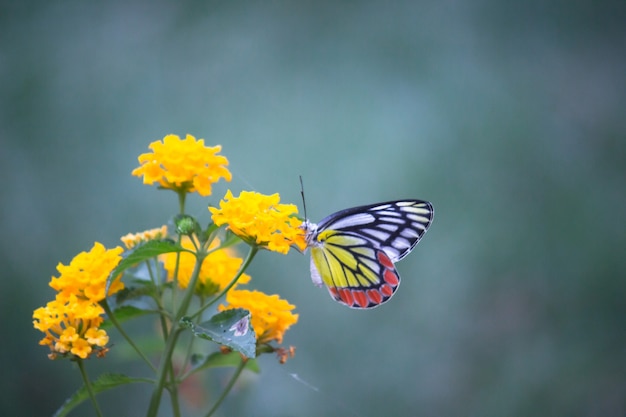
column 354, row 250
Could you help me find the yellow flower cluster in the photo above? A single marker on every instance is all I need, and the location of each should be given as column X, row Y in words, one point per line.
column 261, row 219
column 133, row 239
column 183, row 165
column 87, row 274
column 270, row 315
column 218, row 268
column 71, row 322
column 63, row 322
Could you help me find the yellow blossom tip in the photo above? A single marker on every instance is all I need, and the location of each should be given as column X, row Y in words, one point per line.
column 261, row 220
column 133, row 239
column 183, row 165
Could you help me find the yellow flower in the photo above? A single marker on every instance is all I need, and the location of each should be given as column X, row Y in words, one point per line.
column 96, row 336
column 70, row 322
column 218, row 268
column 261, row 219
column 131, row 240
column 270, row 315
column 71, row 326
column 185, row 165
column 87, row 273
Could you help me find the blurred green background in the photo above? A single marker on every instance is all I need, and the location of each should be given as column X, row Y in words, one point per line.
column 509, row 117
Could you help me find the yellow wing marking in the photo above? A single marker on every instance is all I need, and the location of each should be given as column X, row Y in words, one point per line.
column 337, row 262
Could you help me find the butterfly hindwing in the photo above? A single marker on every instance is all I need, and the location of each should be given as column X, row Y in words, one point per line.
column 367, row 284
column 353, row 251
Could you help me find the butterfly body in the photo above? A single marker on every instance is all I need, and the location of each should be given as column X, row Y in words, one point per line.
column 353, row 251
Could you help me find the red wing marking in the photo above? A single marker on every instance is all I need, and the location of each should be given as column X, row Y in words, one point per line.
column 384, row 260
column 375, row 296
column 360, row 299
column 387, row 290
column 333, row 293
column 346, row 296
column 391, row 277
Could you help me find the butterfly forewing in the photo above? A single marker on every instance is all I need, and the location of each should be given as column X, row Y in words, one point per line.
column 353, row 251
column 395, row 226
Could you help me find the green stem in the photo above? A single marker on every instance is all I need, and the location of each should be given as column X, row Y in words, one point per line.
column 151, row 274
column 92, row 395
column 181, row 200
column 119, row 328
column 156, row 280
column 175, row 277
column 174, row 392
column 253, row 251
column 187, row 357
column 230, row 385
column 165, row 366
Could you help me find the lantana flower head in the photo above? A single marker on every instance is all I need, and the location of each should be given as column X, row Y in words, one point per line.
column 133, row 239
column 71, row 326
column 87, row 273
column 71, row 321
column 270, row 315
column 261, row 219
column 183, row 165
column 218, row 268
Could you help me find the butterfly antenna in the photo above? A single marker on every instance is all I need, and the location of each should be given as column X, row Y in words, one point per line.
column 303, row 200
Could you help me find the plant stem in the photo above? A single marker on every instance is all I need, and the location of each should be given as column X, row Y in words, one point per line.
column 253, row 251
column 162, row 372
column 187, row 357
column 92, row 395
column 230, row 385
column 174, row 392
column 165, row 366
column 181, row 200
column 119, row 328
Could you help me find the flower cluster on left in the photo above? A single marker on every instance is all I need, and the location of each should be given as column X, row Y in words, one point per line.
column 71, row 321
column 191, row 278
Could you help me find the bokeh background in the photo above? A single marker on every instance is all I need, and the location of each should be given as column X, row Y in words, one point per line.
column 509, row 117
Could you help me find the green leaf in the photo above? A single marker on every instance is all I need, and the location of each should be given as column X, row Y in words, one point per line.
column 125, row 313
column 103, row 383
column 141, row 253
column 230, row 327
column 222, row 360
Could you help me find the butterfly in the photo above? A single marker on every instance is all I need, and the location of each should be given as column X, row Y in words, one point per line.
column 353, row 251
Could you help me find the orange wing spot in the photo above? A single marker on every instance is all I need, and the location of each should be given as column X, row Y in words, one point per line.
column 391, row 278
column 374, row 296
column 346, row 296
column 384, row 260
column 333, row 292
column 360, row 298
column 386, row 290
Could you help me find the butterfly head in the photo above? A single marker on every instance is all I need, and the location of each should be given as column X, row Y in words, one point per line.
column 310, row 233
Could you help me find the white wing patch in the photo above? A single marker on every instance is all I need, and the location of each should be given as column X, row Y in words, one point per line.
column 352, row 220
column 315, row 274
